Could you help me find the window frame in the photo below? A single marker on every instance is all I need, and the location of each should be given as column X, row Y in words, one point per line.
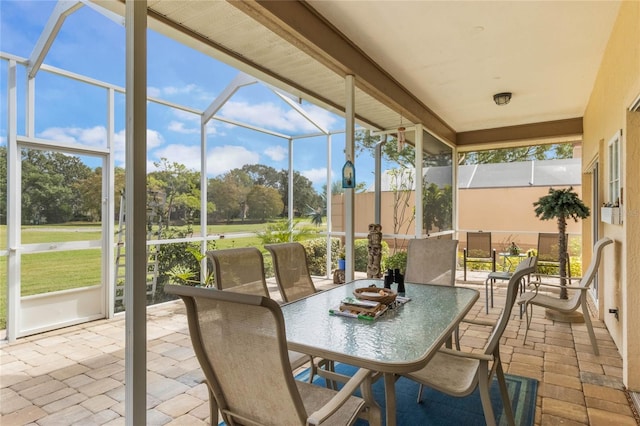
column 614, row 180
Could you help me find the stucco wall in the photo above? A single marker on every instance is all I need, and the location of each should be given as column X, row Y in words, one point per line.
column 616, row 86
column 506, row 212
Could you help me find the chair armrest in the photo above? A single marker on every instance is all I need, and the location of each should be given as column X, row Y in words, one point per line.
column 478, row 322
column 340, row 398
column 558, row 277
column 459, row 354
column 568, row 287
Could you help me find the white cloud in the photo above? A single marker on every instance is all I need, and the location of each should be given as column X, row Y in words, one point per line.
column 272, row 116
column 224, row 158
column 177, row 126
column 187, row 155
column 93, row 136
column 316, row 175
column 276, row 153
column 189, row 123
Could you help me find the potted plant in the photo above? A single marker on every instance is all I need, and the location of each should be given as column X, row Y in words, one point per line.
column 341, row 259
column 514, row 250
column 561, row 204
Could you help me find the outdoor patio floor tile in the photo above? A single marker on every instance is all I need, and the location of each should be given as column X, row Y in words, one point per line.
column 76, row 374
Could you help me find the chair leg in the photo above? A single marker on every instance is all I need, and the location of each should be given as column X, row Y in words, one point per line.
column 420, row 393
column 529, row 314
column 587, row 322
column 213, row 408
column 483, row 385
column 486, row 296
column 505, row 394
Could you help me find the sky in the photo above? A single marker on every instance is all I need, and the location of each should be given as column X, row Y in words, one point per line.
column 92, row 45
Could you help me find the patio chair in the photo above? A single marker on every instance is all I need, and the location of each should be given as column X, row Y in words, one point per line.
column 577, row 299
column 291, row 270
column 478, row 250
column 432, row 261
column 294, row 282
column 548, row 253
column 459, row 373
column 241, row 270
column 528, row 262
column 241, row 346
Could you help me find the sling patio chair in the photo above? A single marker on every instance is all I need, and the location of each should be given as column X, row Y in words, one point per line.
column 291, row 270
column 478, row 250
column 294, row 282
column 432, row 261
column 528, row 262
column 241, row 270
column 458, row 374
column 548, row 252
column 577, row 294
column 240, row 343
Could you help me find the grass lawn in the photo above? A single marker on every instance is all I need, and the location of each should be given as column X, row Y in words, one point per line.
column 52, row 271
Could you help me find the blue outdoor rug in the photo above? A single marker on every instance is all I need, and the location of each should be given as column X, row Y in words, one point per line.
column 439, row 409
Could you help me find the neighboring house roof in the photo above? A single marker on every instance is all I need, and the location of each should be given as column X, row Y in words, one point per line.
column 499, row 175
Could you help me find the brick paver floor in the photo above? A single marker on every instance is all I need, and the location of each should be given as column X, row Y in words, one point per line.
column 75, row 375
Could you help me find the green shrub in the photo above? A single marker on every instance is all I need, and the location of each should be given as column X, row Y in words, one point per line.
column 361, row 254
column 316, row 250
column 396, row 261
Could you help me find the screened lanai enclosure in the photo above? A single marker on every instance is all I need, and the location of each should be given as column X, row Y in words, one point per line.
column 220, row 173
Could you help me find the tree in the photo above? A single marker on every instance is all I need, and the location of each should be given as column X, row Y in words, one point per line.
column 437, row 206
column 561, row 204
column 401, row 185
column 49, row 190
column 509, row 155
column 180, row 186
column 303, row 192
column 263, row 202
column 262, row 175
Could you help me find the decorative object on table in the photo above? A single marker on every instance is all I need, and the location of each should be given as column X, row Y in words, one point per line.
column 348, row 175
column 375, row 251
column 514, row 250
column 369, row 303
column 376, row 294
column 399, row 279
column 388, row 278
column 561, row 204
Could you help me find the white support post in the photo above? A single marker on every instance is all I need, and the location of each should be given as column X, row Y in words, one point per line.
column 349, row 193
column 14, row 209
column 290, row 186
column 109, row 207
column 328, row 206
column 204, row 196
column 418, row 179
column 30, row 108
column 135, row 234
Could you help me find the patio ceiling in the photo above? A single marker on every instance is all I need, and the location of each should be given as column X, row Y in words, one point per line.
column 437, row 63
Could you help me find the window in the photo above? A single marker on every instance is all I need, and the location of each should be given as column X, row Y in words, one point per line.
column 614, row 169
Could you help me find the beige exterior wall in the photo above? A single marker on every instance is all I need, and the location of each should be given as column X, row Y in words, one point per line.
column 617, row 86
column 505, row 212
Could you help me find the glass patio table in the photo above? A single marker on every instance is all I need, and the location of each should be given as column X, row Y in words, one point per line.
column 401, row 340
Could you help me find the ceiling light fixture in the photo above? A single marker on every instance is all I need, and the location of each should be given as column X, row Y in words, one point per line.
column 502, row 98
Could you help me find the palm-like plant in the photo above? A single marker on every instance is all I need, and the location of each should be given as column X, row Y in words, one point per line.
column 561, row 204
